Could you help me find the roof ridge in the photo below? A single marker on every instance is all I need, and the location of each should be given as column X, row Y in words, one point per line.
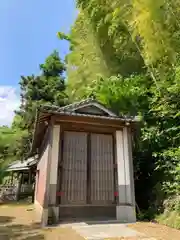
column 71, row 105
column 78, row 103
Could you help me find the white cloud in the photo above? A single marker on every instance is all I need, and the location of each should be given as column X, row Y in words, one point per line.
column 9, row 101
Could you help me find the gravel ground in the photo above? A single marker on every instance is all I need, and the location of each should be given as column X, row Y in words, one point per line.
column 19, row 222
column 158, row 231
column 153, row 231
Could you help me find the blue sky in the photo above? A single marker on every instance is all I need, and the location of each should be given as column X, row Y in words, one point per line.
column 28, row 36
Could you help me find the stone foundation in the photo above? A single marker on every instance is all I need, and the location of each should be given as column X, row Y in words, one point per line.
column 8, row 193
column 126, row 214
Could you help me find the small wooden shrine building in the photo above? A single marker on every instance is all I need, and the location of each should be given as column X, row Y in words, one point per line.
column 85, row 166
column 22, row 175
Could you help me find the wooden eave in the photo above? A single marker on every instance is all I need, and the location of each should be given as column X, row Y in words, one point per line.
column 45, row 117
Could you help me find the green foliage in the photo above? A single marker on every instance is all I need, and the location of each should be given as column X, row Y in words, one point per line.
column 127, row 96
column 171, row 214
column 171, row 219
column 48, row 87
column 156, row 152
column 131, row 33
column 101, row 46
column 138, row 44
column 172, row 204
column 10, row 139
column 84, row 62
column 63, row 36
column 126, row 55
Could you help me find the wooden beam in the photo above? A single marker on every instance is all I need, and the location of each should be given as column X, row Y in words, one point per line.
column 92, row 124
column 77, row 127
column 90, row 121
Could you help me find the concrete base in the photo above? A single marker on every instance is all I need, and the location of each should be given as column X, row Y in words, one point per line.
column 45, row 214
column 42, row 213
column 55, row 213
column 104, row 231
column 44, row 218
column 126, row 214
column 38, row 208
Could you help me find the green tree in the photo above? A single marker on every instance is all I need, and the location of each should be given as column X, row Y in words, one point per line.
column 9, row 143
column 84, row 62
column 138, row 43
column 47, row 88
column 100, row 45
column 156, row 149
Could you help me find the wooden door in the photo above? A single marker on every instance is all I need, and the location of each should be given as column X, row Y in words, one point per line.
column 74, row 172
column 102, row 169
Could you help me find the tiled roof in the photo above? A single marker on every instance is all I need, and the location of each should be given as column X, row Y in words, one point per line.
column 45, row 112
column 71, row 107
column 58, row 112
column 21, row 165
column 70, row 110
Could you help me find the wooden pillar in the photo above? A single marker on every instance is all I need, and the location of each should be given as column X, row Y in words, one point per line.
column 12, row 176
column 125, row 210
column 52, row 180
column 54, row 165
column 20, row 178
column 30, row 177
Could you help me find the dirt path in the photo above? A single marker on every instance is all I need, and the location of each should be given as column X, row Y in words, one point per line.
column 157, row 231
column 19, row 222
column 153, row 231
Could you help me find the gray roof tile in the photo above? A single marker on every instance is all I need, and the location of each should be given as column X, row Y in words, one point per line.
column 70, row 110
column 21, row 165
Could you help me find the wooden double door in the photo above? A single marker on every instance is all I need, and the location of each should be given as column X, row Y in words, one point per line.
column 87, row 173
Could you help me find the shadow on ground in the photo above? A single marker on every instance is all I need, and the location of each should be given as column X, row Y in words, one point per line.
column 9, row 231
column 5, row 219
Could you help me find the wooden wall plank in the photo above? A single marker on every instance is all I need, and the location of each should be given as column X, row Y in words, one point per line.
column 102, row 172
column 78, row 166
column 74, row 168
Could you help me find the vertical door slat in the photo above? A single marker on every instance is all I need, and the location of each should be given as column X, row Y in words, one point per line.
column 74, row 168
column 102, row 172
